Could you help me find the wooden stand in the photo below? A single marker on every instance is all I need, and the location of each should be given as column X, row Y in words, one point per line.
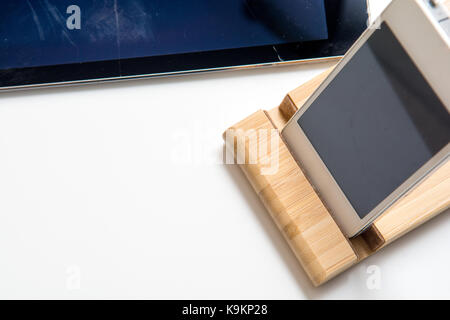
column 296, row 208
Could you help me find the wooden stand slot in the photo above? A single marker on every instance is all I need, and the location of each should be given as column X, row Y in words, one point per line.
column 296, row 208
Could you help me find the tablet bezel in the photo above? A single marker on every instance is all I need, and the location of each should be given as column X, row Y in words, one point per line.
column 421, row 41
column 145, row 67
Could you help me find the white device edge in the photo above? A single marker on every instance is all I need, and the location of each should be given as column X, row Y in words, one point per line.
column 421, row 41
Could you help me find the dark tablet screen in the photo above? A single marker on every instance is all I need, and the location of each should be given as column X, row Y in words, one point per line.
column 377, row 123
column 45, row 41
column 55, row 32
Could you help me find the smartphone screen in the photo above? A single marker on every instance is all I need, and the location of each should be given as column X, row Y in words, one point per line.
column 377, row 122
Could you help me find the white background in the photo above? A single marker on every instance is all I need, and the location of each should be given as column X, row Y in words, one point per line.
column 119, row 191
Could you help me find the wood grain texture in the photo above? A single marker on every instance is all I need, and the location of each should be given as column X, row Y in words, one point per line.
column 315, row 238
column 304, row 221
column 428, row 199
column 298, row 96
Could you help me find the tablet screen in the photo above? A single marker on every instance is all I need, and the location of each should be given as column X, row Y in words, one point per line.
column 377, row 123
column 69, row 41
column 49, row 32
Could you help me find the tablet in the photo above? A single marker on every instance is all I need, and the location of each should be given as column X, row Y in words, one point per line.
column 380, row 123
column 48, row 42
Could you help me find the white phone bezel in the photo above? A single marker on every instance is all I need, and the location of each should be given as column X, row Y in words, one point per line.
column 422, row 38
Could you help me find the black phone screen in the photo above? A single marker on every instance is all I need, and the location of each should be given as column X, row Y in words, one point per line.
column 377, row 122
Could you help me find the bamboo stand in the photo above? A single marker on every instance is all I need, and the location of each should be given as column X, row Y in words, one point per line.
column 297, row 209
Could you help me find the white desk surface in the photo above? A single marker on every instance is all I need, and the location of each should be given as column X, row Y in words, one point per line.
column 119, row 191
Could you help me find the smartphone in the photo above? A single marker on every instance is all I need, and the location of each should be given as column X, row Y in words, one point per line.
column 380, row 122
column 58, row 42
